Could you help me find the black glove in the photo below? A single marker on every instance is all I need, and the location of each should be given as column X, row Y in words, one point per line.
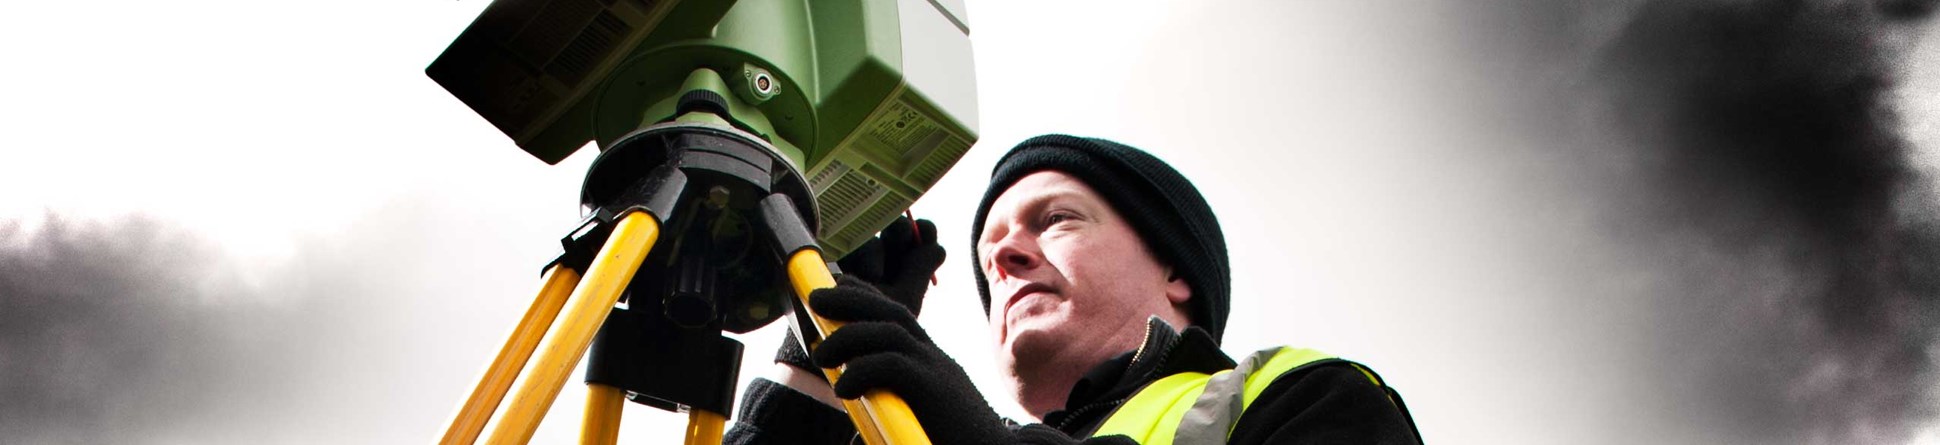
column 884, row 348
column 899, row 261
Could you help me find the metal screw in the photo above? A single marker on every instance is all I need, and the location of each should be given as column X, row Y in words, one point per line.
column 717, row 197
column 757, row 311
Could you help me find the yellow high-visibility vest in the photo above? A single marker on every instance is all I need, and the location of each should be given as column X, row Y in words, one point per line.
column 1197, row 408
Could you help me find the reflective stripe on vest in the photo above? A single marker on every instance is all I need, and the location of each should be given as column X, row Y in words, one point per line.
column 1196, row 408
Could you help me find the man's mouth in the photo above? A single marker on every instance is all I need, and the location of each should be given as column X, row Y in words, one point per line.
column 1021, row 292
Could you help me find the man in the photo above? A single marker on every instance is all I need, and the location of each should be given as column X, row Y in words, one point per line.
column 1088, row 255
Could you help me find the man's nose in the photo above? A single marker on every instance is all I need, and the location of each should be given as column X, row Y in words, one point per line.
column 1016, row 256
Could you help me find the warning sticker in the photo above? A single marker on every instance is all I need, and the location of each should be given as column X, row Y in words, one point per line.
column 897, row 130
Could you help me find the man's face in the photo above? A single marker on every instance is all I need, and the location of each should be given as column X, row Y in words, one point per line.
column 1071, row 285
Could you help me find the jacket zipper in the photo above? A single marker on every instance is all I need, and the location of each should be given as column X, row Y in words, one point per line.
column 1086, row 409
column 1115, row 404
column 1074, row 415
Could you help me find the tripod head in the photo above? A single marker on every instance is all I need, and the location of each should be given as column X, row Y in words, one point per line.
column 870, row 100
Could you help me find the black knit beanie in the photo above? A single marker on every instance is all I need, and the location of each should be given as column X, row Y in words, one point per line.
column 1162, row 206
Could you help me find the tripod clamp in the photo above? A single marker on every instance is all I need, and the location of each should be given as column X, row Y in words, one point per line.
column 668, row 352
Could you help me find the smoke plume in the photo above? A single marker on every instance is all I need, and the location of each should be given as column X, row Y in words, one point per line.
column 1776, row 192
column 135, row 330
column 106, row 333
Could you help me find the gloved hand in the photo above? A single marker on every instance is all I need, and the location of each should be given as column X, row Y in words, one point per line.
column 899, row 261
column 884, row 348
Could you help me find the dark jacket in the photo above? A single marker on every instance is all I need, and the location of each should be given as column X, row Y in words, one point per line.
column 1324, row 402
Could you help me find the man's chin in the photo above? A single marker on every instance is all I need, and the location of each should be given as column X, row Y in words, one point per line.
column 1040, row 366
column 1030, row 348
column 1027, row 336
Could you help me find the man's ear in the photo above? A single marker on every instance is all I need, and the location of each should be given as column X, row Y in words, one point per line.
column 1177, row 290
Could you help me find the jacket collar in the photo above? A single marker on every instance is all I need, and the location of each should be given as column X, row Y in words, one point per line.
column 1164, row 352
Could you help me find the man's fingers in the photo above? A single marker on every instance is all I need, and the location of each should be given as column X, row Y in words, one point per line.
column 936, row 402
column 926, row 232
column 894, row 372
column 910, row 258
column 856, row 302
column 901, row 236
column 918, row 265
column 897, row 234
column 865, row 262
column 864, row 339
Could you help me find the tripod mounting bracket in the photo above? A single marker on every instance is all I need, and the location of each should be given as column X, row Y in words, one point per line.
column 663, row 365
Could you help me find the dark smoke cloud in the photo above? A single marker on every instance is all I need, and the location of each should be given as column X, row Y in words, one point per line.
column 135, row 330
column 1770, row 182
column 106, row 333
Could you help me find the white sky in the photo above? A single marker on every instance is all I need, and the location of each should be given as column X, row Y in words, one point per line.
column 1355, row 160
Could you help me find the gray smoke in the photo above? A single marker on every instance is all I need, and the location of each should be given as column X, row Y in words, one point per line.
column 134, row 330
column 107, row 332
column 1769, row 181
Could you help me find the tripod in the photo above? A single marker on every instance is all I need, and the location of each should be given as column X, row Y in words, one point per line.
column 695, row 227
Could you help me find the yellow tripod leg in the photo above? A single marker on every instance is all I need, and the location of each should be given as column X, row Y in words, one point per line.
column 485, row 397
column 602, row 422
column 880, row 416
column 704, row 427
column 585, row 311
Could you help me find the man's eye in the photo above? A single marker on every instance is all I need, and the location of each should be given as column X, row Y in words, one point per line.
column 1057, row 217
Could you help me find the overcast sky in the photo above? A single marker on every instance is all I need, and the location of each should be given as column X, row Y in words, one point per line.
column 250, row 222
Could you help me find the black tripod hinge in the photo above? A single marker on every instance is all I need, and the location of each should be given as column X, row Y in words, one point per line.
column 791, row 233
column 578, row 248
column 657, row 193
